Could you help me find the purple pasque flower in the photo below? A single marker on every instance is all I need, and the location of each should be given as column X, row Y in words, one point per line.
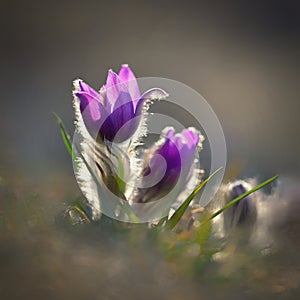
column 114, row 113
column 243, row 211
column 169, row 163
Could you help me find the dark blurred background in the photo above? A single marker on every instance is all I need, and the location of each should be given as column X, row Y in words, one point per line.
column 243, row 57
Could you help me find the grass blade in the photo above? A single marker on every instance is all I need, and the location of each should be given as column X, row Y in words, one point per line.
column 171, row 223
column 79, row 208
column 65, row 136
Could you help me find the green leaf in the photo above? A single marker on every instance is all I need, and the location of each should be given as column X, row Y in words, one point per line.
column 65, row 136
column 161, row 222
column 234, row 201
column 171, row 223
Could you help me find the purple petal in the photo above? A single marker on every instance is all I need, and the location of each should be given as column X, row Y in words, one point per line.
column 117, row 126
column 171, row 154
column 191, row 137
column 168, row 132
column 127, row 76
column 107, row 104
column 186, row 143
column 84, row 98
column 150, row 95
column 172, row 168
column 92, row 111
column 113, row 87
column 87, row 89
